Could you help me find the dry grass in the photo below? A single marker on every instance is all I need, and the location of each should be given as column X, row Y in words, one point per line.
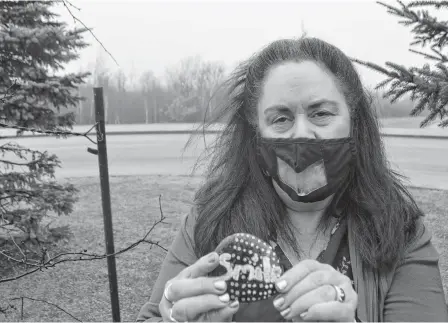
column 82, row 288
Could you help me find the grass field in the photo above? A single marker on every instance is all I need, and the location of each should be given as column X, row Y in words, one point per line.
column 81, row 288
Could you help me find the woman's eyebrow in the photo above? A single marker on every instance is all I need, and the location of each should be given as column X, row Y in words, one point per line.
column 276, row 109
column 314, row 103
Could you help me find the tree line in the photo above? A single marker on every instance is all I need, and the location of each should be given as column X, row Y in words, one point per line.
column 189, row 92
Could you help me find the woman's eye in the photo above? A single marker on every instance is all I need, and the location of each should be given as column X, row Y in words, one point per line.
column 321, row 114
column 280, row 120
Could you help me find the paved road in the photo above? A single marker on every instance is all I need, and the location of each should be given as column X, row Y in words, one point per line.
column 424, row 161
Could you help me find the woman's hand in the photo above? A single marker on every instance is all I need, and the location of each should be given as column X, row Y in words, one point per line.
column 308, row 292
column 191, row 296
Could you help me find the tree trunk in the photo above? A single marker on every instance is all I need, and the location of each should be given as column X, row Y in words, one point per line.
column 145, row 101
column 156, row 112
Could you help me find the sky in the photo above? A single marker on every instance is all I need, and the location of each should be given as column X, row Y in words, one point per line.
column 155, row 35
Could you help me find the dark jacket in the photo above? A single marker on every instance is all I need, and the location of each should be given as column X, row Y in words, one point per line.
column 412, row 291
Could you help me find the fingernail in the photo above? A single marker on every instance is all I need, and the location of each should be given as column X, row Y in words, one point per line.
column 303, row 314
column 224, row 298
column 212, row 258
column 221, row 285
column 285, row 312
column 281, row 285
column 279, row 302
column 234, row 304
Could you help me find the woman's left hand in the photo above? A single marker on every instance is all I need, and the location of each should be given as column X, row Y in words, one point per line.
column 309, row 291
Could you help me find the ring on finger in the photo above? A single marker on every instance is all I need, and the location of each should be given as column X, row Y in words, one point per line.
column 340, row 294
column 166, row 292
column 172, row 319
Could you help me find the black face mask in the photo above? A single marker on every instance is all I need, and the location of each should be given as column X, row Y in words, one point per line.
column 328, row 160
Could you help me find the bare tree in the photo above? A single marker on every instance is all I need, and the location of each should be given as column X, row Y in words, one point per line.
column 148, row 85
column 193, row 82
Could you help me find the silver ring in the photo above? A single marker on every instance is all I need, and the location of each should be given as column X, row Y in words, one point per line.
column 171, row 316
column 165, row 293
column 340, row 294
column 172, row 319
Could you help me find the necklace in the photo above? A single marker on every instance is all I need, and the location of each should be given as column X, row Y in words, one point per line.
column 336, row 226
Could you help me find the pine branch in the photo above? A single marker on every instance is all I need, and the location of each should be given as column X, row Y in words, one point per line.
column 441, row 58
column 429, row 87
column 10, row 91
column 376, row 67
column 437, row 4
column 427, row 29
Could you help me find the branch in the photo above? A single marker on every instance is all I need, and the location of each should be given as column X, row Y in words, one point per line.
column 437, row 4
column 9, row 91
column 76, row 19
column 426, row 29
column 20, row 164
column 57, row 132
column 46, row 302
column 84, row 256
column 4, row 310
column 442, row 58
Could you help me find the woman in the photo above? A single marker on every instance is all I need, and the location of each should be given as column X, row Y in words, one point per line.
column 301, row 165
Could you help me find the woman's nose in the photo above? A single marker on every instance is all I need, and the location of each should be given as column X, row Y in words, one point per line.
column 302, row 128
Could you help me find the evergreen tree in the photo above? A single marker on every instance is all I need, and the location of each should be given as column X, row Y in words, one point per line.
column 427, row 86
column 34, row 91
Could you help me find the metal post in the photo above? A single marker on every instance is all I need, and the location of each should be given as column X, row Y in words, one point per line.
column 105, row 197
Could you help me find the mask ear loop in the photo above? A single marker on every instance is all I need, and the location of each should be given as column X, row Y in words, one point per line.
column 353, row 124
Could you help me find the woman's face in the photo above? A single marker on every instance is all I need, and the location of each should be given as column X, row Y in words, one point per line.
column 301, row 100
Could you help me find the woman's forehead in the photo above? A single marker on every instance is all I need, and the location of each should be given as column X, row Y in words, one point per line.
column 298, row 83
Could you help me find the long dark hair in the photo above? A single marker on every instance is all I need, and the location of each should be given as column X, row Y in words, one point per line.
column 237, row 197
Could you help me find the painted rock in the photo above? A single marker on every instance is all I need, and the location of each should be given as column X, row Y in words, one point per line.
column 250, row 265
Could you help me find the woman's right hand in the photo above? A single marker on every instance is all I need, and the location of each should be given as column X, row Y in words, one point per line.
column 194, row 297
